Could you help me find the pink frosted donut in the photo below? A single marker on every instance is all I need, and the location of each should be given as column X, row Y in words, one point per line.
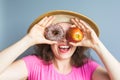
column 54, row 32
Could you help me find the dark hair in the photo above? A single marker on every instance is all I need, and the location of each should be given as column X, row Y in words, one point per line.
column 44, row 52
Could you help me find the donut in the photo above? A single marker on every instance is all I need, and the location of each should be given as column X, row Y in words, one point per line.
column 54, row 32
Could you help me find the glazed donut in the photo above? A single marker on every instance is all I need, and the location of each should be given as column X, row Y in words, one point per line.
column 54, row 32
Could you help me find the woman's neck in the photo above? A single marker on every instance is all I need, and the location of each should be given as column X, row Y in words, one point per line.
column 62, row 66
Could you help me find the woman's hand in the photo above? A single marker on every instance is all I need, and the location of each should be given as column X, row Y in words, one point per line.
column 37, row 31
column 90, row 38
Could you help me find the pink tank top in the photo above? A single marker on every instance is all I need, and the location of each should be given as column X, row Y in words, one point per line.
column 38, row 70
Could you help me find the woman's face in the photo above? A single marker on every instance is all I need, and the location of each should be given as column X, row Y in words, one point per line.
column 63, row 50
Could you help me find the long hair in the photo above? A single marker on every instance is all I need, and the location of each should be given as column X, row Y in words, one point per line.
column 44, row 52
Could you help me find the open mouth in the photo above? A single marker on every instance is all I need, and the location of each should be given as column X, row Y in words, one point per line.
column 64, row 48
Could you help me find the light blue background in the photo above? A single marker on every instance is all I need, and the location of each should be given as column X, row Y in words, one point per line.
column 17, row 15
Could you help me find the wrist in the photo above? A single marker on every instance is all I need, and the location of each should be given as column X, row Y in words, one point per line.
column 29, row 40
column 97, row 45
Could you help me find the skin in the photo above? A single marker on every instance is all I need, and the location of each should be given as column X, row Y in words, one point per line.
column 18, row 71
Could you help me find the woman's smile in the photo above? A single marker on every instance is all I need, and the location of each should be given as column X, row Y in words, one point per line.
column 63, row 48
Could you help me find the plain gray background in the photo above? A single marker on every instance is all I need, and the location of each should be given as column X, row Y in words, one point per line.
column 17, row 15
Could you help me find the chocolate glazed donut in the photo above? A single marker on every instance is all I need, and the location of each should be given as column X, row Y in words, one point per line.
column 54, row 32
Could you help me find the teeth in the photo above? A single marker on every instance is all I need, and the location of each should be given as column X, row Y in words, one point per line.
column 65, row 47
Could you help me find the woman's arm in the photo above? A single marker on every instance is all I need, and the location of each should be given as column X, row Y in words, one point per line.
column 112, row 66
column 16, row 71
column 35, row 36
column 8, row 55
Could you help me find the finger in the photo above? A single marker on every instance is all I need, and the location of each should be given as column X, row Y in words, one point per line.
column 46, row 21
column 80, row 25
column 73, row 26
column 75, row 44
column 38, row 27
column 85, row 25
column 50, row 21
column 42, row 21
column 73, row 21
column 51, row 42
column 77, row 23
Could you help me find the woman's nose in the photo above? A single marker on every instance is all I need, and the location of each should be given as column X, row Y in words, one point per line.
column 64, row 40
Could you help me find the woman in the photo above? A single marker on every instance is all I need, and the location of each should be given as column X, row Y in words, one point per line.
column 58, row 60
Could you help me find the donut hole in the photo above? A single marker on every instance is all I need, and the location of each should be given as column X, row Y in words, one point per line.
column 55, row 32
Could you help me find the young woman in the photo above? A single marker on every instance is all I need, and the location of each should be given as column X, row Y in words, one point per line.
column 58, row 60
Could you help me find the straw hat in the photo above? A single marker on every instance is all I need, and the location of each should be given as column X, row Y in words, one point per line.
column 64, row 16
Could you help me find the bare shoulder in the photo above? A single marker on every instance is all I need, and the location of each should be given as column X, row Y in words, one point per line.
column 100, row 74
column 16, row 71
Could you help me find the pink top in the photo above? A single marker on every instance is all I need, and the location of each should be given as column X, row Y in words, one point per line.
column 38, row 70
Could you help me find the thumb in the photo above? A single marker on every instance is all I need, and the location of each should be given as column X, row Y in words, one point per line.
column 51, row 42
column 75, row 44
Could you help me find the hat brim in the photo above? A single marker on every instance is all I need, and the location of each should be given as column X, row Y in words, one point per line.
column 67, row 13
